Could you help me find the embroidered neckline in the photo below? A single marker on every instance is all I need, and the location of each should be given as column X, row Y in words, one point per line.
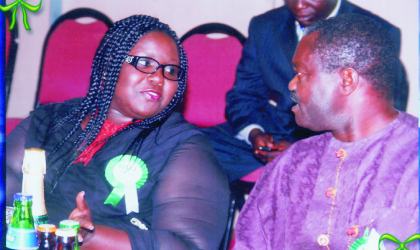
column 108, row 129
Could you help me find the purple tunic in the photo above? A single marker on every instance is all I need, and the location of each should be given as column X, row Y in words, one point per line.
column 378, row 180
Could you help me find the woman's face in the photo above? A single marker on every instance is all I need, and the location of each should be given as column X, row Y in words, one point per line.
column 140, row 95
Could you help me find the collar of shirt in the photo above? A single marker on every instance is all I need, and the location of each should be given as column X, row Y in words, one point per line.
column 299, row 30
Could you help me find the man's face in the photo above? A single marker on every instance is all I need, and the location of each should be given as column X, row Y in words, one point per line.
column 314, row 91
column 307, row 12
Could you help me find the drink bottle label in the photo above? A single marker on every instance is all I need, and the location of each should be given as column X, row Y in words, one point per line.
column 21, row 238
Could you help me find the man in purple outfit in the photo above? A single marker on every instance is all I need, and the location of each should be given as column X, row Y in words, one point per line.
column 359, row 180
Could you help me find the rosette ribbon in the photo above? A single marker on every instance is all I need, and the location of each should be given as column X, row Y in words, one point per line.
column 126, row 173
column 401, row 244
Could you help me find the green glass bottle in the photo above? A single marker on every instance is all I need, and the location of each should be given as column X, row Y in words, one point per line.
column 21, row 233
column 74, row 225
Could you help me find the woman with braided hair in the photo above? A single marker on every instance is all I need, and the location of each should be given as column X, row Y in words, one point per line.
column 134, row 173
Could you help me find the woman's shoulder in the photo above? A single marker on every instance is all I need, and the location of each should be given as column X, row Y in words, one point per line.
column 57, row 109
column 176, row 129
column 42, row 119
column 177, row 122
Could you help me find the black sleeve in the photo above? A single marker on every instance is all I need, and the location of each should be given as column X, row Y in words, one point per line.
column 15, row 149
column 30, row 133
column 190, row 201
column 250, row 93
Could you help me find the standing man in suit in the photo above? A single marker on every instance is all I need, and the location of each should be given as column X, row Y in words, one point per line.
column 260, row 121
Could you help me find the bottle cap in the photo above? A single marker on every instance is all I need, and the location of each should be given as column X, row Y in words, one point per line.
column 69, row 224
column 47, row 228
column 22, row 197
column 65, row 232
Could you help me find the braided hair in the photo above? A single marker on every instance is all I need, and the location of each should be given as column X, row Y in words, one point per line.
column 107, row 63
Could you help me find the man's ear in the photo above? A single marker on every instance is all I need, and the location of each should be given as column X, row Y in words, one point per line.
column 349, row 80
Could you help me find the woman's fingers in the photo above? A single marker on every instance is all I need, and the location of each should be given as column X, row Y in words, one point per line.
column 82, row 214
column 81, row 203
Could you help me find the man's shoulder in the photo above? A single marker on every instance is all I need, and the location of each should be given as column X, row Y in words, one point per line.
column 275, row 15
column 176, row 119
column 177, row 128
column 310, row 146
column 314, row 139
column 57, row 109
column 410, row 122
column 348, row 8
column 300, row 154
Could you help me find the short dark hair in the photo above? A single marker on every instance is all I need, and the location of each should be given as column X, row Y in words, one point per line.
column 357, row 41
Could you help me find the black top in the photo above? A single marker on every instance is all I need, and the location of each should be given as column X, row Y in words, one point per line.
column 183, row 202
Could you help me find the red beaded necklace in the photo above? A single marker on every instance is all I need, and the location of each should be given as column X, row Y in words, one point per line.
column 324, row 239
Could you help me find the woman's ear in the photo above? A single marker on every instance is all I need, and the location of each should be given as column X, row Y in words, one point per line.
column 349, row 80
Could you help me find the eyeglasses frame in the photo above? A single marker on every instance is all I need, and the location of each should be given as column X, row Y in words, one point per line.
column 132, row 60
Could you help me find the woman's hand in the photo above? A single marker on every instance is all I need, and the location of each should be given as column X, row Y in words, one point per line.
column 83, row 215
column 106, row 238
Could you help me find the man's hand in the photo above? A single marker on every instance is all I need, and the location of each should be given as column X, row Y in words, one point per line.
column 261, row 140
column 83, row 215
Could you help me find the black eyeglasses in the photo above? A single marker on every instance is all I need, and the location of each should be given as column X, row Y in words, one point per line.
column 149, row 66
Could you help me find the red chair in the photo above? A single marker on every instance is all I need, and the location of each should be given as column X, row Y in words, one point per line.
column 239, row 189
column 253, row 176
column 11, row 123
column 212, row 68
column 68, row 54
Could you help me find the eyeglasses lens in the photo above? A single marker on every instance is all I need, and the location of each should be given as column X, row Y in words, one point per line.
column 150, row 66
column 172, row 72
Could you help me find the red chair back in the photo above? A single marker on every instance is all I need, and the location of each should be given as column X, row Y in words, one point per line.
column 212, row 69
column 212, row 66
column 11, row 123
column 8, row 39
column 68, row 54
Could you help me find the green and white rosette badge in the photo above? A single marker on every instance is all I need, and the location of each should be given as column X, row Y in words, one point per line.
column 126, row 173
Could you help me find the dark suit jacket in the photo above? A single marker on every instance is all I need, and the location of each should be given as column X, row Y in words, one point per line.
column 265, row 71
